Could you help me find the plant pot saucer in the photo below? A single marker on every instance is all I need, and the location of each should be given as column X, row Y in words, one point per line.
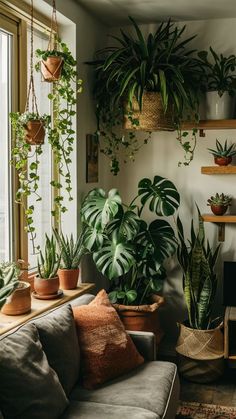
column 59, row 294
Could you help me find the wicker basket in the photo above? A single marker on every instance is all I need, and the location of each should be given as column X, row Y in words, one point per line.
column 201, row 354
column 152, row 116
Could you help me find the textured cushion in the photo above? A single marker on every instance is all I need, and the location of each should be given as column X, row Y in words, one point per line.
column 29, row 388
column 89, row 410
column 150, row 387
column 59, row 340
column 106, row 349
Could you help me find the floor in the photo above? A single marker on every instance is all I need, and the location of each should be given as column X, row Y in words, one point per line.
column 222, row 392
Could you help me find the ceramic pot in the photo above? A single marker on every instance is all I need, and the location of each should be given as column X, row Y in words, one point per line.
column 46, row 286
column 51, row 68
column 223, row 161
column 19, row 302
column 68, row 278
column 143, row 317
column 219, row 209
column 35, row 132
column 219, row 107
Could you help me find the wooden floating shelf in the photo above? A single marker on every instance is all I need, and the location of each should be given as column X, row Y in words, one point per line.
column 221, row 220
column 211, row 124
column 218, row 170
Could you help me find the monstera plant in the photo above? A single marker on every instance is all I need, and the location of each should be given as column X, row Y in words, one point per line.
column 125, row 248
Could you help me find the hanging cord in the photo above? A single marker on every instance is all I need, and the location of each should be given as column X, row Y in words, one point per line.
column 53, row 37
column 31, row 89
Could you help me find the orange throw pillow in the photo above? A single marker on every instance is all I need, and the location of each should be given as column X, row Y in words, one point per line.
column 107, row 351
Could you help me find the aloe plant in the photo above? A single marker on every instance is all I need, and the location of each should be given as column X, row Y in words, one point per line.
column 220, row 199
column 223, row 150
column 121, row 242
column 8, row 282
column 48, row 263
column 197, row 261
column 71, row 251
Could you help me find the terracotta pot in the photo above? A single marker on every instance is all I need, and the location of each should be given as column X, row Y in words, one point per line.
column 142, row 318
column 35, row 132
column 46, row 286
column 68, row 278
column 51, row 68
column 222, row 161
column 19, row 301
column 219, row 209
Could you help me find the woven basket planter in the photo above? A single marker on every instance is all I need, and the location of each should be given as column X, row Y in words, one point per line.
column 152, row 116
column 143, row 318
column 201, row 354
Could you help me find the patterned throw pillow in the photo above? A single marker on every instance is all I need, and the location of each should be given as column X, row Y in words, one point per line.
column 106, row 350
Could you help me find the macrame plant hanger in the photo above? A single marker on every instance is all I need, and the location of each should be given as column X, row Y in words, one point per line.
column 53, row 36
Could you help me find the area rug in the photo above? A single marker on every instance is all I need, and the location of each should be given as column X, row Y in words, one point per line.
column 189, row 410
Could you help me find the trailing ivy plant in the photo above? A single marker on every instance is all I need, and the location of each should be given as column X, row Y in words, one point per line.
column 61, row 135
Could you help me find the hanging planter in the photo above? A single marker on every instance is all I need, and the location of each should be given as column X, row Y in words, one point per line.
column 51, row 67
column 151, row 117
column 35, row 132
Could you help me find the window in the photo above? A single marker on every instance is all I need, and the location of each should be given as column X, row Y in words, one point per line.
column 8, row 34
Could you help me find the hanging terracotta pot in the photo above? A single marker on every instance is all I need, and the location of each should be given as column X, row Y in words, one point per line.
column 19, row 301
column 35, row 132
column 51, row 68
column 68, row 278
column 143, row 318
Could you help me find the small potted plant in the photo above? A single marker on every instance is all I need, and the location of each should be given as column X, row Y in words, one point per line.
column 223, row 154
column 29, row 127
column 46, row 282
column 8, row 283
column 219, row 84
column 129, row 251
column 200, row 344
column 71, row 253
column 19, row 301
column 219, row 203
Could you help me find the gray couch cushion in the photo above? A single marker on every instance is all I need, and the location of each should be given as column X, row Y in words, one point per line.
column 29, row 388
column 149, row 387
column 58, row 336
column 90, row 410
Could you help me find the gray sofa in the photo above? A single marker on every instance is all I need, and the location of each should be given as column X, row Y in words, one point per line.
column 149, row 392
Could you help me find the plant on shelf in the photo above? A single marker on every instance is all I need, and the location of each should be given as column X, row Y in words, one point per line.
column 46, row 282
column 71, row 252
column 223, row 153
column 219, row 83
column 8, row 282
column 219, row 203
column 138, row 74
column 200, row 343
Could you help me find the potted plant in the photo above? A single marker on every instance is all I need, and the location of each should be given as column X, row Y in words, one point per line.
column 153, row 82
column 29, row 127
column 219, row 84
column 8, row 284
column 200, row 343
column 223, row 154
column 19, row 301
column 128, row 250
column 219, row 203
column 71, row 253
column 46, row 282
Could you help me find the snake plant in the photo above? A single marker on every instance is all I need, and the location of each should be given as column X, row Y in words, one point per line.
column 8, row 283
column 197, row 261
column 48, row 263
column 71, row 251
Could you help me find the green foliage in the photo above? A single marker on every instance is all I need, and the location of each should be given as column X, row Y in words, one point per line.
column 124, row 247
column 219, row 74
column 71, row 251
column 197, row 261
column 8, row 281
column 28, row 174
column 220, row 199
column 62, row 136
column 135, row 64
column 48, row 263
column 223, row 150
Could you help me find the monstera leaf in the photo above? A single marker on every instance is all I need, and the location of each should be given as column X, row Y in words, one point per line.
column 162, row 195
column 114, row 258
column 126, row 225
column 98, row 209
column 92, row 238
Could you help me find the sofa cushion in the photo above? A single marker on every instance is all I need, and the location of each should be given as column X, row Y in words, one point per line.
column 106, row 349
column 29, row 388
column 59, row 340
column 149, row 387
column 90, row 410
